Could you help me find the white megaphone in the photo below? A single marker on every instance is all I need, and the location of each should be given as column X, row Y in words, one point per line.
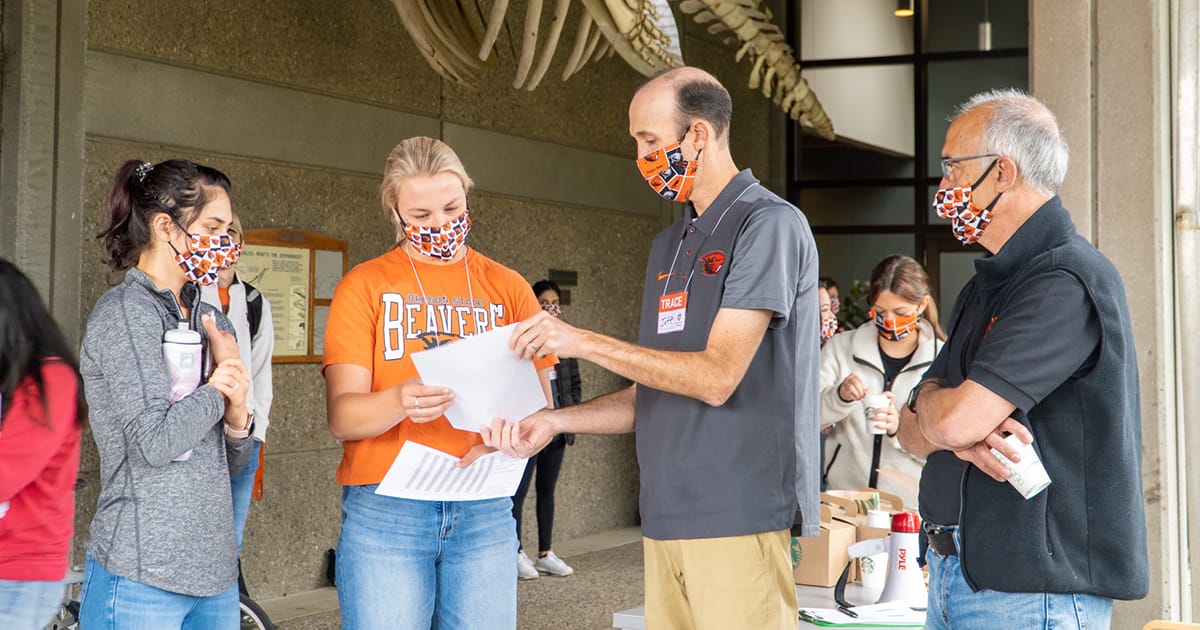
column 905, row 583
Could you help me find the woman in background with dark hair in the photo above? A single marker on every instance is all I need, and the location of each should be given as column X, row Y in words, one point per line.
column 162, row 552
column 835, row 302
column 567, row 391
column 41, row 414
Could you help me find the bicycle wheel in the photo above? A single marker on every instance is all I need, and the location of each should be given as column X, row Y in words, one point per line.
column 253, row 616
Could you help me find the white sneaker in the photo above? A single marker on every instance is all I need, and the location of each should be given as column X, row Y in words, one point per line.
column 525, row 568
column 551, row 564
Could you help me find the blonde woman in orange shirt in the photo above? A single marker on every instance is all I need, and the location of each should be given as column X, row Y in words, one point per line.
column 401, row 563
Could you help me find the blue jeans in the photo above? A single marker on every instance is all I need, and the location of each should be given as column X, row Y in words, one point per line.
column 415, row 565
column 952, row 604
column 111, row 602
column 242, row 485
column 28, row 604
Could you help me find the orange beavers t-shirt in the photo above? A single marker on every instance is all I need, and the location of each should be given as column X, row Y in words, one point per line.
column 380, row 317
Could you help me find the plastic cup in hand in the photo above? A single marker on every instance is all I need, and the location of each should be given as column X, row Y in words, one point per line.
column 1028, row 476
column 871, row 403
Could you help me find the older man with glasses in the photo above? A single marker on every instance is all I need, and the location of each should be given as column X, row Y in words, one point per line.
column 1040, row 348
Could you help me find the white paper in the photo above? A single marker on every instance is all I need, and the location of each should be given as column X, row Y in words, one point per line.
column 890, row 614
column 427, row 474
column 488, row 379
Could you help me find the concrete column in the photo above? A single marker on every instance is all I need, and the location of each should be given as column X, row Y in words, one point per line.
column 1104, row 68
column 1185, row 84
column 1060, row 74
column 41, row 150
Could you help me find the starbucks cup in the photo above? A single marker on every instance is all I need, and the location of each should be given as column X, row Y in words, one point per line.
column 873, row 568
column 870, row 403
column 1028, row 476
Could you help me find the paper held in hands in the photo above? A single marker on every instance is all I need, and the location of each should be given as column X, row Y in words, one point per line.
column 427, row 474
column 488, row 379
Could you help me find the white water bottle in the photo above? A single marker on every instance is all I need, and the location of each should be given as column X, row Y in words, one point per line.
column 182, row 354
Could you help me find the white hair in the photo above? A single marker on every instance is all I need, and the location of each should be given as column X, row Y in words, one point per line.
column 1023, row 129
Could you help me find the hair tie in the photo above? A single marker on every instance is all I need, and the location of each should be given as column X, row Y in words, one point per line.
column 143, row 169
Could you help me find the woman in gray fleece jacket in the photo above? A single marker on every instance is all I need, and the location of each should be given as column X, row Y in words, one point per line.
column 162, row 551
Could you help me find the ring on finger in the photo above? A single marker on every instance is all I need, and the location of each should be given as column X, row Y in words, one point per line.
column 416, row 402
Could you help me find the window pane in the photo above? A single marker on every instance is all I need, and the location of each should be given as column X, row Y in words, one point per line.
column 953, row 82
column 955, row 268
column 954, row 24
column 850, row 257
column 844, row 29
column 857, row 206
column 874, row 135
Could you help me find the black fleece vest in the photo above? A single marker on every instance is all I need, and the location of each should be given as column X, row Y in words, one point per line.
column 1087, row 532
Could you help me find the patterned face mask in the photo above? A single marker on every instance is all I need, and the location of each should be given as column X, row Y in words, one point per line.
column 439, row 242
column 829, row 325
column 668, row 173
column 967, row 220
column 207, row 254
column 553, row 309
column 234, row 256
column 894, row 328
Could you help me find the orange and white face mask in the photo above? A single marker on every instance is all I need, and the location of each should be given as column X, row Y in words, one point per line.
column 441, row 242
column 967, row 220
column 206, row 254
column 668, row 174
column 894, row 328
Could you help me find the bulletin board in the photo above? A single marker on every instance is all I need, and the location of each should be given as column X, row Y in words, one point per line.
column 297, row 273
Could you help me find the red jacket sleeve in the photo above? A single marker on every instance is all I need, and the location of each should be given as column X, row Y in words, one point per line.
column 27, row 438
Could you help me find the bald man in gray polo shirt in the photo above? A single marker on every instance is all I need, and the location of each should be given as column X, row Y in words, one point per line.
column 725, row 370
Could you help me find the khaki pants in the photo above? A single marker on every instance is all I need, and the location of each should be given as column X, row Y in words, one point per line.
column 733, row 583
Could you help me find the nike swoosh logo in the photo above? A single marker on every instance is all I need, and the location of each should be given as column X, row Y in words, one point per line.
column 664, row 276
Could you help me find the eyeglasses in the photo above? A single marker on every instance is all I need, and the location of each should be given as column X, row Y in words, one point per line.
column 949, row 164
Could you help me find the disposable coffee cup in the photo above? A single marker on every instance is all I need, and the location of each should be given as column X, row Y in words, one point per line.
column 870, row 403
column 879, row 519
column 1029, row 476
column 873, row 569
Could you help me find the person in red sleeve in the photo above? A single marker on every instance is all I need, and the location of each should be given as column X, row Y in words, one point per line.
column 41, row 414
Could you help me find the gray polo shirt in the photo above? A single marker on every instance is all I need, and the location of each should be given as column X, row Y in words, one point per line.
column 741, row 468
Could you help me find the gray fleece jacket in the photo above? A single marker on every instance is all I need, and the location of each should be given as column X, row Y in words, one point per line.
column 160, row 522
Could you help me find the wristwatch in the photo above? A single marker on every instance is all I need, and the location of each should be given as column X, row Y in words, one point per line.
column 235, row 434
column 911, row 403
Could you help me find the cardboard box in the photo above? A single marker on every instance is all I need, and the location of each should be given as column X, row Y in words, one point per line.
column 819, row 561
column 845, row 506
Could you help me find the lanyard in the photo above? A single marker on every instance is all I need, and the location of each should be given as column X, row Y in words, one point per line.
column 679, row 246
column 437, row 333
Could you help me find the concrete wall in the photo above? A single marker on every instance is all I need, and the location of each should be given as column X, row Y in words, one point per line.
column 299, row 102
column 1104, row 68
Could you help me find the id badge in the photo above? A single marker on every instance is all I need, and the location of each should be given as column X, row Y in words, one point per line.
column 672, row 312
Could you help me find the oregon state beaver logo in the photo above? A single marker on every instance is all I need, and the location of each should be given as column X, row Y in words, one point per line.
column 712, row 262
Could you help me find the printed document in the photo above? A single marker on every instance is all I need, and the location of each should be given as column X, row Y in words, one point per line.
column 488, row 379
column 427, row 474
column 875, row 615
